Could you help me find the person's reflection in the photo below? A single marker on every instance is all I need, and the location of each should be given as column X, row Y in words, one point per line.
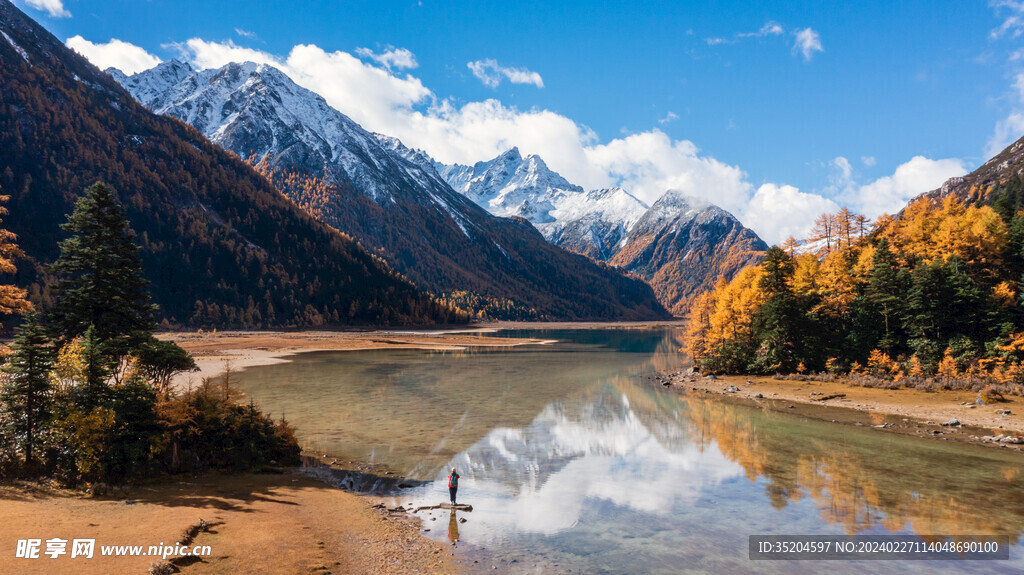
column 453, row 528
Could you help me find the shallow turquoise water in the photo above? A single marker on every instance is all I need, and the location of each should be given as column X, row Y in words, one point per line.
column 575, row 463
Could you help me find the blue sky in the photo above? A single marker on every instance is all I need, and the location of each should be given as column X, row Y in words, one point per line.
column 809, row 104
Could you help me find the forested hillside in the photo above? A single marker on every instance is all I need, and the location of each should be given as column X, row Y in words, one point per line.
column 933, row 295
column 219, row 244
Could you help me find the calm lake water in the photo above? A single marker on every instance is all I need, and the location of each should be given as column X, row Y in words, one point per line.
column 574, row 463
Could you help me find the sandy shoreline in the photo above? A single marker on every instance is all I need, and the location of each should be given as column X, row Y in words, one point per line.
column 242, row 349
column 258, row 523
column 910, row 411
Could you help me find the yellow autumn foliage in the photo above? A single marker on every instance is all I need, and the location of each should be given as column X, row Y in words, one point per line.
column 1004, row 294
column 947, row 367
column 937, row 231
column 838, row 287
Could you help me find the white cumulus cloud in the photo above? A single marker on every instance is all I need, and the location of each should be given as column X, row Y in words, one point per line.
column 776, row 212
column 391, row 57
column 1010, row 128
column 807, row 43
column 645, row 163
column 889, row 194
column 54, row 8
column 490, row 73
column 650, row 162
column 124, row 56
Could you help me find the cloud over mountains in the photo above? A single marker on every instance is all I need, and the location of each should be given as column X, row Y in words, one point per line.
column 376, row 90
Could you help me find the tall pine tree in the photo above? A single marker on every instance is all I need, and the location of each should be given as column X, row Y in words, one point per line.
column 26, row 397
column 779, row 321
column 99, row 277
column 886, row 288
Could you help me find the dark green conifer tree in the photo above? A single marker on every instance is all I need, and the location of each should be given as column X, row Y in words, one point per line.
column 93, row 391
column 27, row 397
column 885, row 292
column 99, row 277
column 778, row 324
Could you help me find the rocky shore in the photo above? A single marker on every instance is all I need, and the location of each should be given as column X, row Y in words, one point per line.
column 949, row 415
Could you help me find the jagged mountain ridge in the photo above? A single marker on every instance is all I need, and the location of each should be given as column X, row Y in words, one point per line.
column 679, row 245
column 220, row 245
column 590, row 223
column 387, row 196
column 1003, row 172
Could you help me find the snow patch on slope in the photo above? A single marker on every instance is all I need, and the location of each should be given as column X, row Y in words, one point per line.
column 21, row 51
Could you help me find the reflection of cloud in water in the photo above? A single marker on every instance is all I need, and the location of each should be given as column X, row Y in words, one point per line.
column 540, row 478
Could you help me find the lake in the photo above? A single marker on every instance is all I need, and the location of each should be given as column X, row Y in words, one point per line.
column 576, row 462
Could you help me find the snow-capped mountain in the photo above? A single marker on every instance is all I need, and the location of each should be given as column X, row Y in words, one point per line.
column 511, row 185
column 255, row 109
column 591, row 223
column 594, row 223
column 680, row 245
column 387, row 196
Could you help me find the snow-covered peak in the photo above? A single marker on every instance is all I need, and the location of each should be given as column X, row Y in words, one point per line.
column 415, row 156
column 674, row 204
column 149, row 84
column 257, row 110
column 675, row 208
column 512, row 154
column 511, row 185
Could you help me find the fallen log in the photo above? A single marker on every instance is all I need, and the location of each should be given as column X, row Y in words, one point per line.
column 828, row 397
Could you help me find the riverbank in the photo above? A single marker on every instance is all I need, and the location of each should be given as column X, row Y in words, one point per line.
column 257, row 523
column 903, row 410
column 496, row 325
column 242, row 349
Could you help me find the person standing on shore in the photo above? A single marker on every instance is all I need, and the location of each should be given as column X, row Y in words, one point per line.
column 453, row 484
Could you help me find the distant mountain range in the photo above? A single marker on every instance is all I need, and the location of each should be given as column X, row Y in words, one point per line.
column 220, row 245
column 386, row 196
column 680, row 245
column 591, row 223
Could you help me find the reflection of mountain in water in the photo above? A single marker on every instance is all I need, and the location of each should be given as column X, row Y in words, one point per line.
column 658, row 453
column 601, row 447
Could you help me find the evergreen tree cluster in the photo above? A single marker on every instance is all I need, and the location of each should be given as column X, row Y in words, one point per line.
column 934, row 293
column 86, row 392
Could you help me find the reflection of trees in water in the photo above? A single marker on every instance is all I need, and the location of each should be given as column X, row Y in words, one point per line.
column 862, row 479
